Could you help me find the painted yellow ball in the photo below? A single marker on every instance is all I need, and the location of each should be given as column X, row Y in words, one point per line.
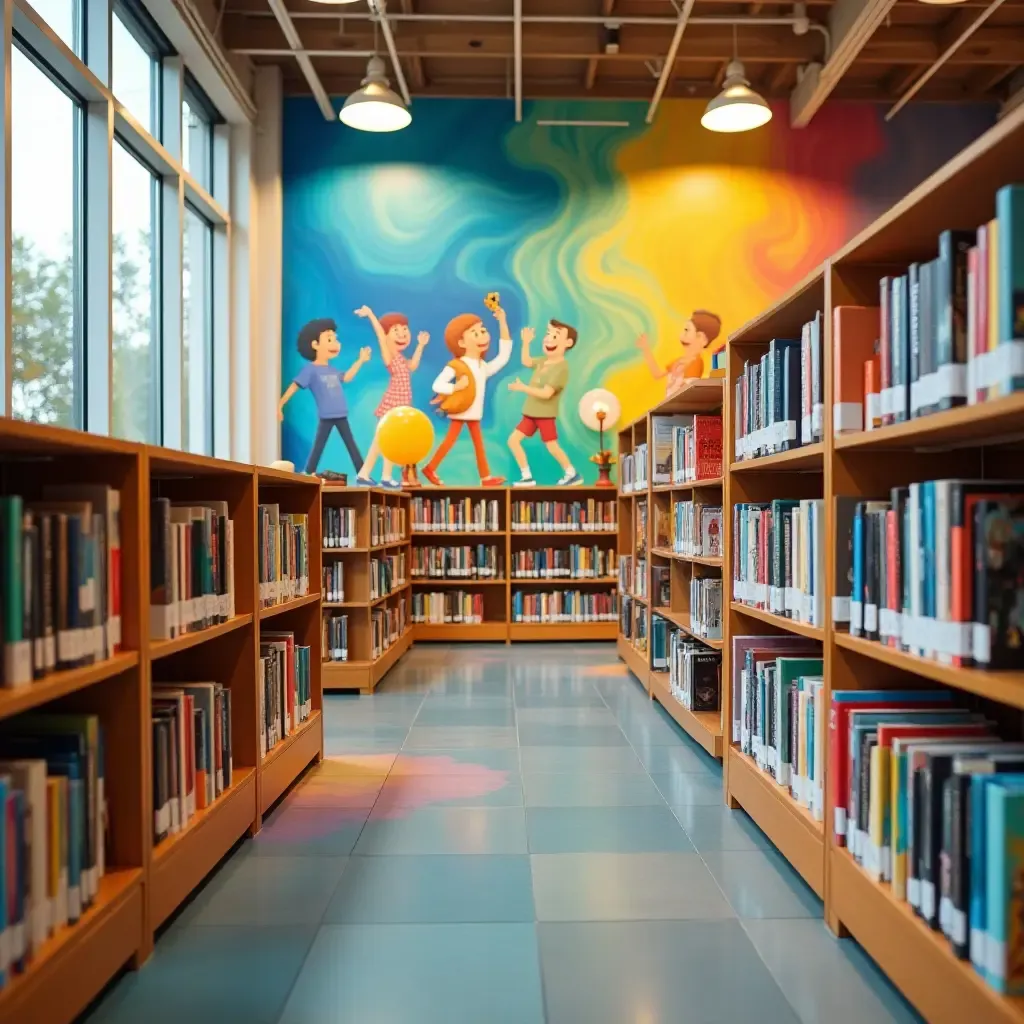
column 405, row 436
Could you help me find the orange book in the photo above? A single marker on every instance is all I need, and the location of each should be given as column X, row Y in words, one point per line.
column 854, row 340
column 872, row 398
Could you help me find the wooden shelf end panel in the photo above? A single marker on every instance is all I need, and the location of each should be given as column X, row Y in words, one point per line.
column 286, row 762
column 704, row 727
column 481, row 632
column 551, row 632
column 635, row 661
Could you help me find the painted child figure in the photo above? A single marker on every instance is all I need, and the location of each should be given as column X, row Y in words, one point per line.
column 461, row 387
column 543, row 395
column 318, row 344
column 393, row 336
column 700, row 331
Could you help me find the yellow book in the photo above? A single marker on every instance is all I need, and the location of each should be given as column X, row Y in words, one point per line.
column 876, row 860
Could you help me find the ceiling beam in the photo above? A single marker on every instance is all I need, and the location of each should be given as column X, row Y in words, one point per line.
column 419, row 78
column 323, row 101
column 670, row 59
column 981, row 82
column 851, row 24
column 379, row 10
column 590, row 75
column 901, row 78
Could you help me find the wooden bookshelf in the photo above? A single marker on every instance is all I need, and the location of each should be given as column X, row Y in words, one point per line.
column 704, row 726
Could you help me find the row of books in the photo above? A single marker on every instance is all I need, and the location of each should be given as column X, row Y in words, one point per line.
column 387, row 574
column 284, row 687
column 930, row 801
column 448, row 606
column 936, row 571
column 387, row 524
column 578, row 561
column 282, row 544
column 778, row 561
column 334, row 638
column 661, row 586
column 563, row 606
column 339, row 526
column 633, row 470
column 944, row 334
column 697, row 529
column 60, row 589
column 437, row 515
column 458, row 561
column 633, row 621
column 687, row 447
column 53, row 829
column 192, row 763
column 588, row 514
column 706, row 607
column 695, row 671
column 387, row 626
column 333, row 584
column 633, row 576
column 779, row 713
column 779, row 398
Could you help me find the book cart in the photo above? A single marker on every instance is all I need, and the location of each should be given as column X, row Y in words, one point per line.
column 698, row 396
column 144, row 883
column 980, row 441
column 358, row 552
column 498, row 592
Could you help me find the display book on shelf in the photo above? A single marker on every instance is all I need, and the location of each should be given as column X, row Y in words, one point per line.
column 367, row 578
column 918, row 634
column 670, row 567
column 535, row 563
column 129, row 733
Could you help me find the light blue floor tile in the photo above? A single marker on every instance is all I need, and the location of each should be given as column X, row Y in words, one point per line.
column 495, row 686
column 409, row 890
column 211, row 976
column 372, row 732
column 454, row 761
column 690, row 788
column 692, row 972
column 470, row 830
column 590, row 789
column 468, row 701
column 718, row 828
column 679, row 757
column 760, row 883
column 604, row 830
column 579, row 759
column 827, row 979
column 269, row 891
column 651, row 730
column 564, row 716
column 422, row 973
column 293, row 831
column 561, row 694
column 485, row 788
column 625, row 887
column 335, row 746
column 463, row 716
column 541, row 735
column 438, row 737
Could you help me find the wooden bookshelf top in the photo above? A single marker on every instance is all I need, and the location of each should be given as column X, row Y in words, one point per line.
column 785, row 317
column 34, row 439
column 809, row 457
column 700, row 395
column 165, row 462
column 267, row 475
column 960, row 194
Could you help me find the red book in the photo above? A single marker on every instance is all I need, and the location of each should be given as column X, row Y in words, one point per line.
column 707, row 432
column 892, row 570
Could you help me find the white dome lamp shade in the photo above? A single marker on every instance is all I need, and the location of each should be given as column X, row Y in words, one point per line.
column 737, row 108
column 374, row 107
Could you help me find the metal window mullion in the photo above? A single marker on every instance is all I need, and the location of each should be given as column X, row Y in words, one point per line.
column 6, row 326
column 171, row 73
column 172, row 241
column 97, row 15
column 239, row 341
column 99, row 260
column 221, row 285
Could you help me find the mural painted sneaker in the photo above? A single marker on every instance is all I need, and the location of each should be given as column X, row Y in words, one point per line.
column 525, row 481
column 391, row 485
column 492, row 481
column 571, row 480
column 365, row 481
column 433, row 478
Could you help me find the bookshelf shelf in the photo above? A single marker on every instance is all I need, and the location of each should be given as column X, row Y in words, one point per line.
column 365, row 674
column 690, row 485
column 345, row 551
column 799, row 838
column 165, row 648
column 780, row 621
column 60, row 684
column 809, row 457
column 571, row 581
column 286, row 761
column 702, row 394
column 479, row 632
column 545, row 631
column 703, row 726
column 421, row 534
column 289, row 606
column 457, row 582
column 607, row 534
column 712, row 562
column 636, row 661
column 183, row 860
column 917, row 959
column 682, row 620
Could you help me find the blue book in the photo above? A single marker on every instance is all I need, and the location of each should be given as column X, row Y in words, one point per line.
column 1010, row 312
column 857, row 590
column 1004, row 885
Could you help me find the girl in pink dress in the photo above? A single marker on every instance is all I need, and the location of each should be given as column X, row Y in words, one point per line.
column 393, row 336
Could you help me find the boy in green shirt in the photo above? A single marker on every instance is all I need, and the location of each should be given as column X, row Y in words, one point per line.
column 543, row 393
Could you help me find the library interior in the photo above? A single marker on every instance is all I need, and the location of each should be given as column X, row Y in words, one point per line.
column 502, row 506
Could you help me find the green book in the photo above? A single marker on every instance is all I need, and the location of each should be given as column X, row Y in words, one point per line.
column 17, row 661
column 787, row 675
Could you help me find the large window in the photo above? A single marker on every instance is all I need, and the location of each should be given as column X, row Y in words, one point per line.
column 135, row 71
column 136, row 384
column 65, row 18
column 197, row 333
column 197, row 121
column 45, row 264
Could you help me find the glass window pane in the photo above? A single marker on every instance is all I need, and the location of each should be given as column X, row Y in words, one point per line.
column 64, row 17
column 197, row 334
column 45, row 269
column 196, row 143
column 136, row 341
column 134, row 75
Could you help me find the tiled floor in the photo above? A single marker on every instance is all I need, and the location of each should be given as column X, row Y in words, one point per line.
column 504, row 835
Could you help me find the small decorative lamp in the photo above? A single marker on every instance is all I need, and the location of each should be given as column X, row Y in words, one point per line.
column 600, row 411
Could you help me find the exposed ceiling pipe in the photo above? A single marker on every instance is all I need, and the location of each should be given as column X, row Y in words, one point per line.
column 378, row 9
column 323, row 101
column 517, row 56
column 943, row 58
column 670, row 59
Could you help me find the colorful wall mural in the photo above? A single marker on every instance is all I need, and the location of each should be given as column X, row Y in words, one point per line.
column 667, row 231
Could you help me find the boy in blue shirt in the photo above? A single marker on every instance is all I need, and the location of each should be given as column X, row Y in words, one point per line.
column 318, row 342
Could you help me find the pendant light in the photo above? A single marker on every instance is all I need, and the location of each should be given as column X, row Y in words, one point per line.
column 374, row 106
column 737, row 108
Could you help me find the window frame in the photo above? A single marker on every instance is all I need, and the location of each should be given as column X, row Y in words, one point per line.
column 209, row 339
column 145, row 31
